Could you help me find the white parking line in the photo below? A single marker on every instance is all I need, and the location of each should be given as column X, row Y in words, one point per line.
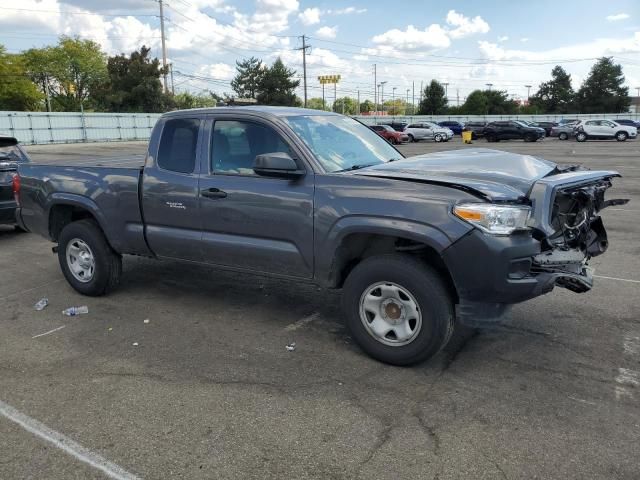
column 49, row 332
column 618, row 279
column 65, row 444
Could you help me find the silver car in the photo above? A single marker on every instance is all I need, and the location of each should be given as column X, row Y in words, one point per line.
column 427, row 131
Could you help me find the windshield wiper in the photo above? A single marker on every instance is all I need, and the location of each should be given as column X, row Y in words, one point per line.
column 355, row 167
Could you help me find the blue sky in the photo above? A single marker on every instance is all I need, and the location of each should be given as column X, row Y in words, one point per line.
column 466, row 44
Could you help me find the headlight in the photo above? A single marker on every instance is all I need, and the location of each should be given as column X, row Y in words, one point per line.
column 492, row 218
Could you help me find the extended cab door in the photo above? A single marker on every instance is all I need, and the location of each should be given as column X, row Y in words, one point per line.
column 170, row 190
column 252, row 222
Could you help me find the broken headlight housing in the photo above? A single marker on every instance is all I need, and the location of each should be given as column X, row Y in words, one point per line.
column 494, row 218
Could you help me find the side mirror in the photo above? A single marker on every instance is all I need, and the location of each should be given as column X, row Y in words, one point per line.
column 277, row 164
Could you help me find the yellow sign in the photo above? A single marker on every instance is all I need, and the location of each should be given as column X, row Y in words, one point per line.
column 328, row 79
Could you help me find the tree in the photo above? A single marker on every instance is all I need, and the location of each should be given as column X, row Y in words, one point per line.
column 277, row 86
column 396, row 106
column 556, row 95
column 316, row 103
column 434, row 100
column 38, row 64
column 17, row 91
column 250, row 75
column 488, row 102
column 186, row 100
column 367, row 106
column 350, row 106
column 133, row 84
column 603, row 90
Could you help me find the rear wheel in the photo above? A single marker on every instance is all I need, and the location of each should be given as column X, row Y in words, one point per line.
column 621, row 136
column 581, row 137
column 530, row 138
column 88, row 262
column 563, row 136
column 398, row 309
column 412, row 138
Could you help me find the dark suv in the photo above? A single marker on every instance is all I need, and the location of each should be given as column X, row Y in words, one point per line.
column 455, row 127
column 476, row 128
column 512, row 129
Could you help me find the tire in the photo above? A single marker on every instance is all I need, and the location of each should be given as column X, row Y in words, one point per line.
column 563, row 136
column 412, row 138
column 530, row 138
column 622, row 136
column 491, row 138
column 581, row 137
column 107, row 264
column 424, row 287
column 394, row 141
column 437, row 137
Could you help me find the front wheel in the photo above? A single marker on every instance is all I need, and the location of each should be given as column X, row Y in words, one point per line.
column 563, row 136
column 437, row 138
column 412, row 138
column 88, row 262
column 581, row 137
column 621, row 136
column 397, row 309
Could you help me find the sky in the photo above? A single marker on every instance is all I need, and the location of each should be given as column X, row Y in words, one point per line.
column 465, row 44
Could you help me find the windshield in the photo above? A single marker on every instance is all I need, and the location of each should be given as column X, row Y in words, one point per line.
column 341, row 143
column 12, row 154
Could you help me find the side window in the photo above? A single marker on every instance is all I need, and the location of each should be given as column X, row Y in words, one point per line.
column 235, row 145
column 178, row 143
column 593, row 122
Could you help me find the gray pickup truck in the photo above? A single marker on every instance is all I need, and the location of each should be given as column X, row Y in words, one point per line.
column 414, row 243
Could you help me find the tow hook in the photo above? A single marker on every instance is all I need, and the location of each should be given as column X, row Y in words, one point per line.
column 55, row 249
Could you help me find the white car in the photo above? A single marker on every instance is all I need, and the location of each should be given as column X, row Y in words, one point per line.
column 601, row 129
column 427, row 131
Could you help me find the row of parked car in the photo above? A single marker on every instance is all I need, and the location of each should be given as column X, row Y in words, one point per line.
column 581, row 130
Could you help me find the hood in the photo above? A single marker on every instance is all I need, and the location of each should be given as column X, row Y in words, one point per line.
column 492, row 174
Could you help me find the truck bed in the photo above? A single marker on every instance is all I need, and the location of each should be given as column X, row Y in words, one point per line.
column 111, row 194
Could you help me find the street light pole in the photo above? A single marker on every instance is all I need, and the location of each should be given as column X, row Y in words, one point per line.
column 446, row 90
column 393, row 98
column 407, row 103
column 382, row 94
column 489, row 85
column 528, row 88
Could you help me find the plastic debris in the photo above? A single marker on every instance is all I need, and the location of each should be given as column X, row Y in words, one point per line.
column 291, row 347
column 146, row 320
column 42, row 304
column 135, row 344
column 110, row 329
column 73, row 311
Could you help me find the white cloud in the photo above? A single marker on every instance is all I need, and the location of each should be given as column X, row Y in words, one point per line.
column 465, row 26
column 310, row 16
column 503, row 38
column 327, row 32
column 524, row 39
column 412, row 39
column 347, row 11
column 617, row 17
column 218, row 70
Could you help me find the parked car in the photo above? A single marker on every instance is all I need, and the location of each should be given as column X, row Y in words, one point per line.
column 564, row 130
column 568, row 120
column 414, row 243
column 445, row 130
column 397, row 126
column 427, row 131
column 389, row 134
column 603, row 130
column 11, row 155
column 477, row 128
column 455, row 127
column 547, row 126
column 627, row 122
column 512, row 129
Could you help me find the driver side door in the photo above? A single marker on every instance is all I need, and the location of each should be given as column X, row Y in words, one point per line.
column 252, row 222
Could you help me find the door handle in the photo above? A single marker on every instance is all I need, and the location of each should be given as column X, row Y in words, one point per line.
column 213, row 193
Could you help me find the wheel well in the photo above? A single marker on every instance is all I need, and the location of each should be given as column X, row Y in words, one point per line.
column 359, row 246
column 62, row 215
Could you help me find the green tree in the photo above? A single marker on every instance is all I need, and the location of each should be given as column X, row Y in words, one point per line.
column 434, row 100
column 133, row 84
column 488, row 102
column 396, row 106
column 277, row 86
column 316, row 103
column 556, row 95
column 350, row 105
column 38, row 64
column 250, row 75
column 603, row 91
column 367, row 106
column 17, row 91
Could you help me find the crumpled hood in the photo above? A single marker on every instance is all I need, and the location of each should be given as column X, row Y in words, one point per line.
column 493, row 174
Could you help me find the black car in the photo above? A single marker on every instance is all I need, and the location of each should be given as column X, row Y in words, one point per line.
column 397, row 126
column 547, row 126
column 476, row 128
column 11, row 154
column 628, row 122
column 512, row 130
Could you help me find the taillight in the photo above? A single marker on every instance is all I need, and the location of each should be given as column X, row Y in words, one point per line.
column 15, row 185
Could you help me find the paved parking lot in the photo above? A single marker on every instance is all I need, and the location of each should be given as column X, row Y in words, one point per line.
column 211, row 392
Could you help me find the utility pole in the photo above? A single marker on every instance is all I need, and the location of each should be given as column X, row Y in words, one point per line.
column 413, row 98
column 458, row 96
column 335, row 93
column 393, row 98
column 446, row 90
column 489, row 85
column 358, row 109
column 407, row 102
column 46, row 92
column 304, row 66
column 638, row 91
column 421, row 91
column 164, row 48
column 173, row 87
column 382, row 94
column 375, row 89
column 528, row 87
column 324, row 107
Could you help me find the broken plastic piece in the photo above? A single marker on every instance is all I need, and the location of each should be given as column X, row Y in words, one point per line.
column 73, row 311
column 42, row 304
column 291, row 347
column 135, row 344
column 146, row 320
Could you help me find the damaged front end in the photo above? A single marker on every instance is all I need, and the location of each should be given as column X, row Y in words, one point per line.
column 568, row 225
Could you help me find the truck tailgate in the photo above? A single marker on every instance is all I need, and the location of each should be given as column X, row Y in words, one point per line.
column 110, row 194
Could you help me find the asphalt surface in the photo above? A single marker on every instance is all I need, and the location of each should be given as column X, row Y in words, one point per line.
column 211, row 392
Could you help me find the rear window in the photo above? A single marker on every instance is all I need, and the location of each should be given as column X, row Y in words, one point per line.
column 178, row 145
